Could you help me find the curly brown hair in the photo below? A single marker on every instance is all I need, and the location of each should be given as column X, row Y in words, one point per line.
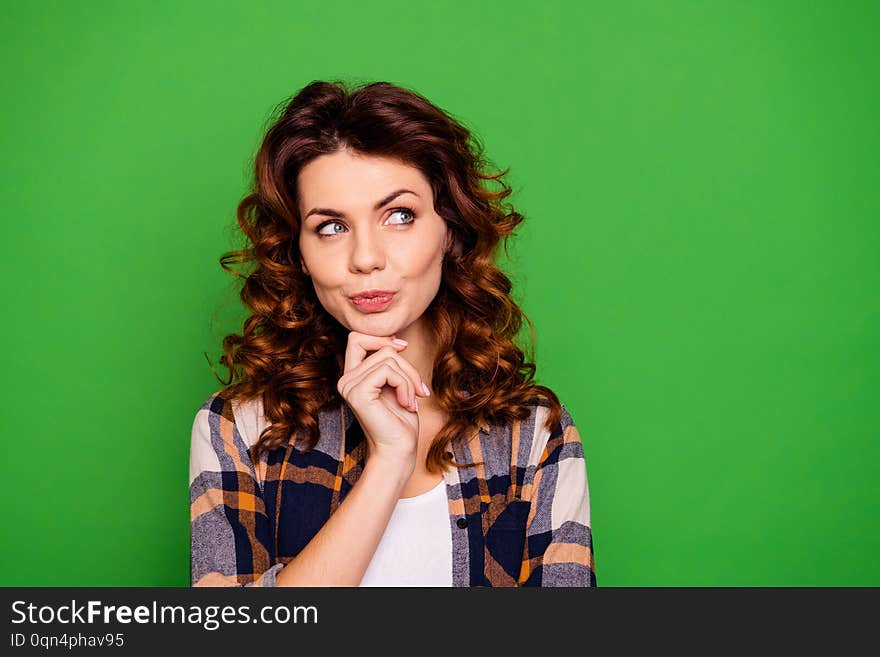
column 291, row 350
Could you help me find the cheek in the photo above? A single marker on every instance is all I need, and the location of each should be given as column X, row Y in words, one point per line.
column 325, row 269
column 424, row 260
column 425, row 275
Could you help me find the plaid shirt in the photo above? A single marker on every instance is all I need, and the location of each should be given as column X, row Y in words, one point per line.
column 521, row 518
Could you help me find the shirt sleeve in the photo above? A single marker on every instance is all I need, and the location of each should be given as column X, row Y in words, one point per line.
column 230, row 533
column 559, row 547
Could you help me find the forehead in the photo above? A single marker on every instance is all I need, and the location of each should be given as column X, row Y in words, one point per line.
column 355, row 179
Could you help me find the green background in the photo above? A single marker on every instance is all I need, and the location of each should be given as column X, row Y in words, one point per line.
column 699, row 258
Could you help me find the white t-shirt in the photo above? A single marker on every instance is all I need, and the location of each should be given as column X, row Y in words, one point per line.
column 416, row 548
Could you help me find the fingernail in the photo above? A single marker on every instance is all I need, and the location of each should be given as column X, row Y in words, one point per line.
column 402, row 343
column 425, row 388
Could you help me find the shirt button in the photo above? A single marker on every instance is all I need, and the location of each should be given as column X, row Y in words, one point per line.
column 461, row 522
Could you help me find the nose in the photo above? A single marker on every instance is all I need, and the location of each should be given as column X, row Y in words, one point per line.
column 368, row 252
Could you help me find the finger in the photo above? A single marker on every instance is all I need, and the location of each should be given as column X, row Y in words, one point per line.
column 374, row 378
column 356, row 377
column 360, row 343
column 407, row 367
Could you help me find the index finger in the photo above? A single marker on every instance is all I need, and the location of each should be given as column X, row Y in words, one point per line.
column 361, row 343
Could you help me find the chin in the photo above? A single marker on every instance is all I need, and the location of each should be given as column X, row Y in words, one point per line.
column 378, row 324
column 379, row 329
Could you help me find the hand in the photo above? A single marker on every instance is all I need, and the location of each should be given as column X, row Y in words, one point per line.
column 381, row 390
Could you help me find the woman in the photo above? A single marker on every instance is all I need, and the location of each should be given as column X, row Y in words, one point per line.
column 383, row 428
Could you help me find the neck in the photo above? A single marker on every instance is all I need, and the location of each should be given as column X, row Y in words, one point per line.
column 421, row 352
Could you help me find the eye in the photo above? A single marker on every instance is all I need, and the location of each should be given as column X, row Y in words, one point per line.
column 407, row 211
column 320, row 228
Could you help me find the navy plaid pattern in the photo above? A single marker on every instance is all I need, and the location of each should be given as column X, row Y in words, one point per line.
column 519, row 517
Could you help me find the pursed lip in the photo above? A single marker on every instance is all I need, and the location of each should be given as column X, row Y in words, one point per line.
column 371, row 293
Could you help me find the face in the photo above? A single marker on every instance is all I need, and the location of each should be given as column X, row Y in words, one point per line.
column 368, row 223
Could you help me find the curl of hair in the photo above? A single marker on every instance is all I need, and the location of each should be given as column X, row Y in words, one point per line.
column 291, row 351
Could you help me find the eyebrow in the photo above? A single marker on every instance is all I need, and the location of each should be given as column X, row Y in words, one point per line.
column 341, row 215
